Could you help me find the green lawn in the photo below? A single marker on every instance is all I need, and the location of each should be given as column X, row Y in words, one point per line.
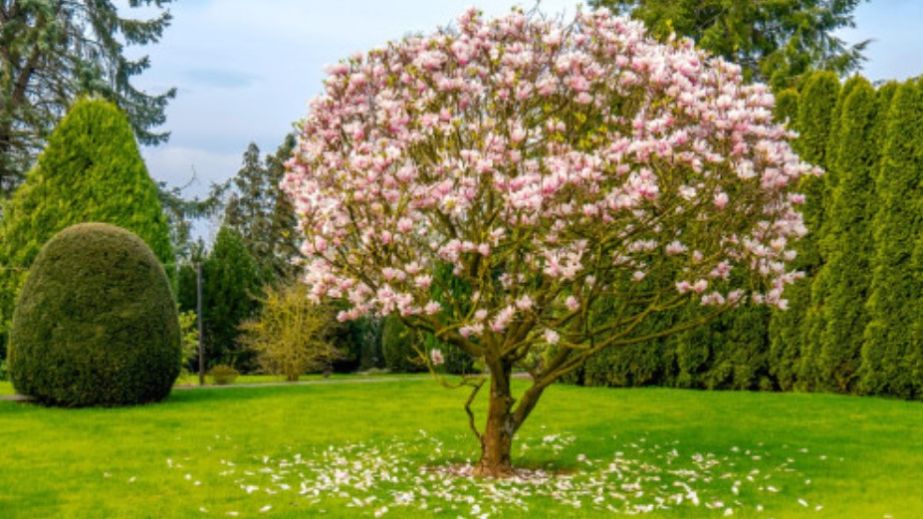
column 6, row 388
column 360, row 446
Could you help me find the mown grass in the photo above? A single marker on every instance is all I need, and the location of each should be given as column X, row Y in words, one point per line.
column 862, row 456
column 6, row 387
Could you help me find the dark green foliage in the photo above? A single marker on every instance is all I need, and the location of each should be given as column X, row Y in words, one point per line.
column 457, row 361
column 400, row 346
column 230, row 286
column 91, row 171
column 730, row 352
column 890, row 348
column 786, row 109
column 95, row 323
column 842, row 283
column 815, row 112
column 261, row 213
column 915, row 355
column 775, row 42
column 633, row 365
column 54, row 50
column 366, row 333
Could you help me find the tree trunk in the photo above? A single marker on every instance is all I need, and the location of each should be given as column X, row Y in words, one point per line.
column 497, row 439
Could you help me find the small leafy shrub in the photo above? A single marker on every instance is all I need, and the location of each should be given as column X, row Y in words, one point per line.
column 3, row 370
column 222, row 375
column 290, row 334
column 95, row 323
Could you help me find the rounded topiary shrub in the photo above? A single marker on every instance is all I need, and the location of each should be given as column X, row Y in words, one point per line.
column 95, row 323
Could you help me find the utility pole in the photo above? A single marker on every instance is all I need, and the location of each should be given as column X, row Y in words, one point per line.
column 200, row 318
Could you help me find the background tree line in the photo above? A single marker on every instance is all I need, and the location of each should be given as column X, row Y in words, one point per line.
column 855, row 322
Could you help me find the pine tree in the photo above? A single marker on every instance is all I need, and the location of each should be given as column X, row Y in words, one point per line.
column 91, row 171
column 775, row 42
column 815, row 109
column 230, row 288
column 54, row 50
column 260, row 211
column 848, row 244
column 889, row 347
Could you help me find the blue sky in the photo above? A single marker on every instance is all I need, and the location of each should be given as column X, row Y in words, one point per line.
column 245, row 69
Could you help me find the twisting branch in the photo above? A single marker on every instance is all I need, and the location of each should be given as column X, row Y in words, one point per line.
column 476, row 386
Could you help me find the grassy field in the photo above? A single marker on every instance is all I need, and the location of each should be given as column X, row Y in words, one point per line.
column 345, row 449
column 6, row 388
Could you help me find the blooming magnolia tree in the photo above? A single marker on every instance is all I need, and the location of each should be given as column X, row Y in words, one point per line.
column 577, row 178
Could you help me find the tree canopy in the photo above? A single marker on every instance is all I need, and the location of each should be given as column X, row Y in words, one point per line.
column 775, row 42
column 261, row 213
column 54, row 51
column 580, row 179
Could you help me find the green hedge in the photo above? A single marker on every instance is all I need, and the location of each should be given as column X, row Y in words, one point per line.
column 95, row 323
column 855, row 323
column 90, row 171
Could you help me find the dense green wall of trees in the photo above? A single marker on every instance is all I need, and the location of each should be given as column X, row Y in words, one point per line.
column 855, row 322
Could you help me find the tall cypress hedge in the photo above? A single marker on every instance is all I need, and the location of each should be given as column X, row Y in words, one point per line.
column 815, row 114
column 90, row 171
column 847, row 245
column 890, row 350
column 915, row 356
column 809, row 374
column 865, row 218
column 786, row 108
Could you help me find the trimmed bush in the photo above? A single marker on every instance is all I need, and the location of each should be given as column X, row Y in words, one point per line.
column 90, row 171
column 95, row 323
column 222, row 375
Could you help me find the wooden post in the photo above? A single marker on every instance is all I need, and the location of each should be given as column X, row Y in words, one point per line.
column 201, row 319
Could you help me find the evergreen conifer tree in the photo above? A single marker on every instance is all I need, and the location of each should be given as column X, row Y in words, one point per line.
column 889, row 349
column 786, row 109
column 848, row 244
column 230, row 286
column 809, row 371
column 815, row 111
column 90, row 171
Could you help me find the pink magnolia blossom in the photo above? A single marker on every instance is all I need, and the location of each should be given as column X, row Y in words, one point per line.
column 551, row 336
column 502, row 165
column 428, row 153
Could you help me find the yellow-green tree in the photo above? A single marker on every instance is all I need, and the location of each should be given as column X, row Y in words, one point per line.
column 290, row 334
